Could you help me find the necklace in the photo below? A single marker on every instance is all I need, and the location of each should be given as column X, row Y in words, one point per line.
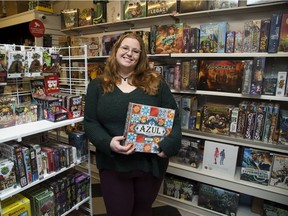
column 124, row 78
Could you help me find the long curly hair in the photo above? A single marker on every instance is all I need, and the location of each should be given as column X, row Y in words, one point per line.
column 143, row 76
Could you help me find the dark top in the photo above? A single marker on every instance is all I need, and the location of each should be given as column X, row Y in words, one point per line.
column 105, row 116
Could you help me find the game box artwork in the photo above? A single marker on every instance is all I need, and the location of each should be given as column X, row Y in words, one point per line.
column 146, row 126
column 216, row 118
column 221, row 75
column 190, row 153
column 69, row 18
column 169, row 38
column 218, row 199
column 156, row 7
column 134, row 9
column 192, row 6
column 279, row 172
column 256, row 166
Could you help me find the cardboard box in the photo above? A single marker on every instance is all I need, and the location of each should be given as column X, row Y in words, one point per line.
column 146, row 126
column 16, row 205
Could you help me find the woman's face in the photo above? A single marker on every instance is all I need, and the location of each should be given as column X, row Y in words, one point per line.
column 128, row 54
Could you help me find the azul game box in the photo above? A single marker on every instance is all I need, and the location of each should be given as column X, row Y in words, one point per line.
column 221, row 75
column 220, row 158
column 256, row 166
column 218, row 199
column 279, row 172
column 146, row 126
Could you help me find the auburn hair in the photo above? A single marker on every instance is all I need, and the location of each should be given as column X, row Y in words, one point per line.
column 143, row 76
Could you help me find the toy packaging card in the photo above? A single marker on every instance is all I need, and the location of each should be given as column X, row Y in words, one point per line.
column 34, row 61
column 279, row 174
column 256, row 166
column 218, row 199
column 155, row 7
column 16, row 63
column 220, row 158
column 169, row 38
column 221, row 75
column 146, row 126
column 134, row 9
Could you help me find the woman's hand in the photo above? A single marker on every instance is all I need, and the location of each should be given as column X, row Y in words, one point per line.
column 162, row 154
column 116, row 146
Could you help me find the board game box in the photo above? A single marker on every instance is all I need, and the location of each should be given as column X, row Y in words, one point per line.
column 264, row 34
column 220, row 158
column 274, row 34
column 218, row 199
column 146, row 126
column 155, row 7
column 279, row 172
column 283, row 127
column 3, row 67
column 216, row 118
column 256, row 166
column 221, row 4
column 221, row 75
column 134, row 9
column 69, row 18
column 187, row 6
column 169, row 38
column 190, row 153
column 16, row 205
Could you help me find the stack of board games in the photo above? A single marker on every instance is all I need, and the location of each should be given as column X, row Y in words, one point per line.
column 220, row 158
column 256, row 166
column 218, row 199
column 190, row 153
column 146, row 126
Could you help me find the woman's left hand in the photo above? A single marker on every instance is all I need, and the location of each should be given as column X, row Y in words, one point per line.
column 162, row 154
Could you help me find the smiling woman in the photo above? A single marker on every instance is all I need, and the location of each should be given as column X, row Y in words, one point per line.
column 125, row 174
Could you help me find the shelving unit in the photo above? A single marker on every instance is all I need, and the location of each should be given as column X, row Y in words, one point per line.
column 236, row 16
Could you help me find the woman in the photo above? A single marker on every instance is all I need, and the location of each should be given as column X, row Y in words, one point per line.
column 130, row 180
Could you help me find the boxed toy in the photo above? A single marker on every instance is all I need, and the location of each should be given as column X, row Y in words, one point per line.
column 7, row 111
column 146, row 126
column 16, row 205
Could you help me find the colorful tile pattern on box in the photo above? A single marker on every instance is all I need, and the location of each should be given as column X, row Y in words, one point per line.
column 146, row 126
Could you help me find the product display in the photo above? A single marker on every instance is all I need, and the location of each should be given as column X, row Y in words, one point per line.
column 255, row 91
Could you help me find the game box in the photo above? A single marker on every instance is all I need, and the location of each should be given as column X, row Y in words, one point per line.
column 146, row 126
column 279, row 172
column 221, row 75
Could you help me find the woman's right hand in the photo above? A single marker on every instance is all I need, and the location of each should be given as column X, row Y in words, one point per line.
column 116, row 146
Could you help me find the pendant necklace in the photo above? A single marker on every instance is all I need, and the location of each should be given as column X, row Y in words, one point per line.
column 124, row 78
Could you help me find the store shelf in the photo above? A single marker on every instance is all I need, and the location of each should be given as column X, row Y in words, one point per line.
column 229, row 55
column 236, row 141
column 19, row 131
column 235, row 184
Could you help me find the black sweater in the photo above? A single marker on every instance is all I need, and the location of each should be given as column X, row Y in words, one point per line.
column 105, row 116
